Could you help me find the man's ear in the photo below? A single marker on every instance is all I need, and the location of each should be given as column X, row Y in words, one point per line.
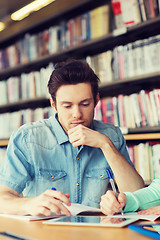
column 97, row 98
column 53, row 105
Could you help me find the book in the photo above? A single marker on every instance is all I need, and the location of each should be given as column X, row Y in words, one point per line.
column 151, row 8
column 100, row 21
column 149, row 109
column 142, row 10
column 121, row 110
column 144, row 169
column 75, row 209
column 130, row 12
column 154, row 109
column 136, row 109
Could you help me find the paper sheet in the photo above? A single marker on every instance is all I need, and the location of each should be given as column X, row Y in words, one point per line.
column 138, row 216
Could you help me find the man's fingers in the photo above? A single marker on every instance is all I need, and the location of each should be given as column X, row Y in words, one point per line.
column 58, row 207
column 59, row 195
column 54, row 205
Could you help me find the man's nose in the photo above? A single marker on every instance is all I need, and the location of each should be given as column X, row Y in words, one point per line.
column 77, row 112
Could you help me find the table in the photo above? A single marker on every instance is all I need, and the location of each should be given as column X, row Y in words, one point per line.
column 37, row 230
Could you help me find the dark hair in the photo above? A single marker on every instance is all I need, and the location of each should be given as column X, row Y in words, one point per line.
column 72, row 72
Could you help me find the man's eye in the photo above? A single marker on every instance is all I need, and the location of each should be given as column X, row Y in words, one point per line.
column 85, row 104
column 67, row 106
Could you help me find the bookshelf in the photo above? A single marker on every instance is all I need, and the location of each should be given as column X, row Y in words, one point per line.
column 4, row 142
column 142, row 137
column 64, row 10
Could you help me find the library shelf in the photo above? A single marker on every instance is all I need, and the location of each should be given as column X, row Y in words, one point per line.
column 90, row 47
column 64, row 10
column 4, row 142
column 39, row 20
column 24, row 104
column 141, row 136
column 130, row 85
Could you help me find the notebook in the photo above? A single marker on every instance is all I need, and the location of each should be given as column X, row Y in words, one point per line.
column 75, row 209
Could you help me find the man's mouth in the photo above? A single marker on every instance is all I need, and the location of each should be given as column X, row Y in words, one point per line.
column 77, row 123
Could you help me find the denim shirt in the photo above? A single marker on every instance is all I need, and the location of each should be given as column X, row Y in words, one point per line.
column 40, row 156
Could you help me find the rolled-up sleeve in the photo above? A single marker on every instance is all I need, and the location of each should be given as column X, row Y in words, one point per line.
column 15, row 169
column 144, row 198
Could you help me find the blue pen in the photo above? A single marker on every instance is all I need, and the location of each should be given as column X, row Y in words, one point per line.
column 112, row 184
column 53, row 188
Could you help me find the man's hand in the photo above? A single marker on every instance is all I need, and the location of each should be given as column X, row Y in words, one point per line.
column 110, row 204
column 81, row 135
column 46, row 202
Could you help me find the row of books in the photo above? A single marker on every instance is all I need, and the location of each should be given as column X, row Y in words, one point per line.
column 146, row 158
column 27, row 86
column 102, row 65
column 12, row 121
column 149, row 9
column 135, row 110
column 133, row 59
column 137, row 58
column 92, row 24
column 131, row 12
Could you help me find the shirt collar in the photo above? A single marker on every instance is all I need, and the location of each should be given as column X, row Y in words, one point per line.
column 61, row 136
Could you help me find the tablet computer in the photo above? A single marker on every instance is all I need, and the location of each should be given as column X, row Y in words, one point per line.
column 149, row 230
column 103, row 221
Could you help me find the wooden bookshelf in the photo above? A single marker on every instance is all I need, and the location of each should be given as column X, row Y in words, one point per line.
column 93, row 47
column 37, row 21
column 63, row 10
column 139, row 137
column 4, row 142
column 24, row 104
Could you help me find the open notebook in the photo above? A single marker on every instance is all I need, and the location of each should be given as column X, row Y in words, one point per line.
column 80, row 209
column 75, row 209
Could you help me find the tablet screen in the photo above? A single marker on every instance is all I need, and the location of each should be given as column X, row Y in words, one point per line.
column 103, row 221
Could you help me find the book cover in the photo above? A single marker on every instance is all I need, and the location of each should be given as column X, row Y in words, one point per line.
column 130, row 12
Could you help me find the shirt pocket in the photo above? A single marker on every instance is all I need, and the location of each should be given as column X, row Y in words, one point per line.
column 53, row 178
column 96, row 184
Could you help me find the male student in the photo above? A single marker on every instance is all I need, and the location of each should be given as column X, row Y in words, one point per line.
column 69, row 151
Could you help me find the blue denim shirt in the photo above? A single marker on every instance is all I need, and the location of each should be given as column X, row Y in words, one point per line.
column 40, row 156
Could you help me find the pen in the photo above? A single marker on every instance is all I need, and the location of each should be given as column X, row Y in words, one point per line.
column 112, row 184
column 53, row 188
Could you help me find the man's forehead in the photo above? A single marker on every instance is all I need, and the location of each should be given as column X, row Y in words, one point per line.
column 68, row 92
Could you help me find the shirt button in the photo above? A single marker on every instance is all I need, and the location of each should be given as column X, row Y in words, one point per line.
column 77, row 158
column 77, row 184
column 101, row 176
column 52, row 177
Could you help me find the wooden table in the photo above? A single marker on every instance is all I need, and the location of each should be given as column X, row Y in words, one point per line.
column 37, row 230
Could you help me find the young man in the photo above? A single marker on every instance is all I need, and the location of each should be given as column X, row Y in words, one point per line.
column 146, row 199
column 70, row 151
